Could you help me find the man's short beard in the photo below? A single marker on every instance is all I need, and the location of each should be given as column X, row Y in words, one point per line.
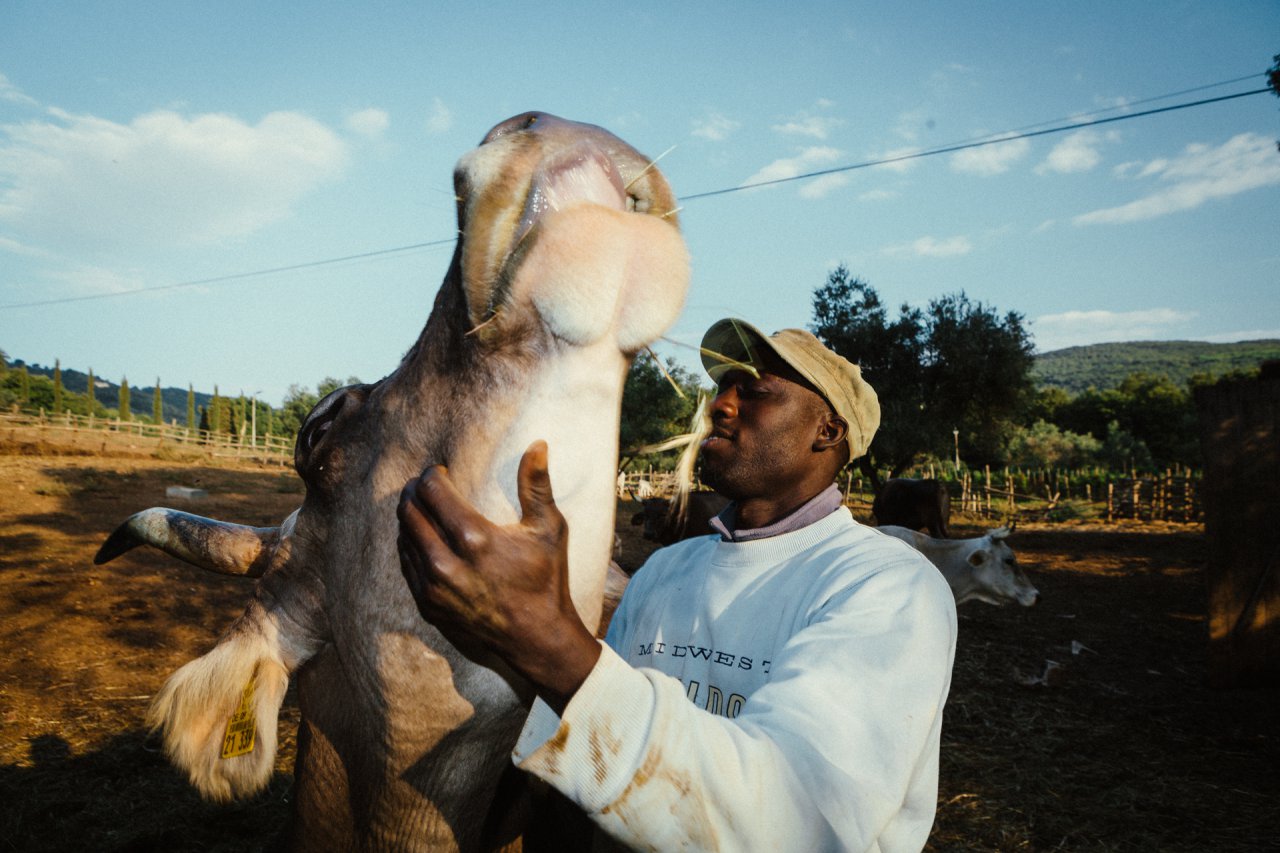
column 727, row 480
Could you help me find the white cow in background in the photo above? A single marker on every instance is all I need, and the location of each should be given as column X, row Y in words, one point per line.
column 983, row 568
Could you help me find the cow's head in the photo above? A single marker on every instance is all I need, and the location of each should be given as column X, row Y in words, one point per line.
column 998, row 579
column 569, row 260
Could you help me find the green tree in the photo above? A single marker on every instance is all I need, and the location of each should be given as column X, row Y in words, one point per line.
column 240, row 416
column 191, row 407
column 123, row 405
column 91, row 392
column 956, row 365
column 652, row 410
column 1123, row 451
column 1044, row 445
column 57, row 386
column 299, row 401
column 215, row 412
column 1145, row 410
column 24, row 386
column 157, row 404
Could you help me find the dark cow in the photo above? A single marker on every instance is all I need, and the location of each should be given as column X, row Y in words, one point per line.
column 660, row 526
column 914, row 504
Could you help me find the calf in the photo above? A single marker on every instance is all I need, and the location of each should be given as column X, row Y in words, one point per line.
column 660, row 525
column 913, row 504
column 983, row 568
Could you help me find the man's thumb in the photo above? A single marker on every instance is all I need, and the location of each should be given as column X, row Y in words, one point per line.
column 533, row 484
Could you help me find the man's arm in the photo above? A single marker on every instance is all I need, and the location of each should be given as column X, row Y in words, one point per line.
column 838, row 750
column 505, row 586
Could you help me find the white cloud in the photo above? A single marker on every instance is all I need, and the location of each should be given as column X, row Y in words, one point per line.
column 1248, row 335
column 163, row 179
column 991, row 159
column 932, row 247
column 902, row 165
column 877, row 195
column 440, row 119
column 819, row 127
column 86, row 279
column 14, row 247
column 808, row 160
column 1077, row 153
column 371, row 122
column 823, row 185
column 1200, row 174
column 715, row 127
column 1078, row 328
column 12, row 94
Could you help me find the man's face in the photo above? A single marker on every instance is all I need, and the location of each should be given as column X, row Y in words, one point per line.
column 763, row 433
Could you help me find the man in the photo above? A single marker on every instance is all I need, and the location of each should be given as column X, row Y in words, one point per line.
column 777, row 687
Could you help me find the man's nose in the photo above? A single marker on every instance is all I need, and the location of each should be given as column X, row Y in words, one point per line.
column 724, row 404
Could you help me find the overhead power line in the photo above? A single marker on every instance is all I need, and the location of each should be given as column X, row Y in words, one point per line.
column 233, row 277
column 994, row 139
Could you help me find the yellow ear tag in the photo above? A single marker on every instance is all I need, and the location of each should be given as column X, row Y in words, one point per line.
column 241, row 728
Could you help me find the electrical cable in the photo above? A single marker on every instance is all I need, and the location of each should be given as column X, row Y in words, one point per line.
column 993, row 139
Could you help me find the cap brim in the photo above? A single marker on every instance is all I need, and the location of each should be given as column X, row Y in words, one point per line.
column 732, row 344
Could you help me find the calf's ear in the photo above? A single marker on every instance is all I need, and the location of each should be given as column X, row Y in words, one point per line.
column 219, row 712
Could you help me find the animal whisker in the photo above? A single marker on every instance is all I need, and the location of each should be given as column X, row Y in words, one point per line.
column 662, row 367
column 646, row 169
column 672, row 212
column 720, row 357
column 497, row 312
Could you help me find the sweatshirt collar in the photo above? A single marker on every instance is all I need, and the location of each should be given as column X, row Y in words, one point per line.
column 820, row 506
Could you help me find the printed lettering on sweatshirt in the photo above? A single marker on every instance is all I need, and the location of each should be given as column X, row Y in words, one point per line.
column 708, row 696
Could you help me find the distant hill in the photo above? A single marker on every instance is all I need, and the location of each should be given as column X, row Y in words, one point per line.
column 174, row 400
column 1103, row 366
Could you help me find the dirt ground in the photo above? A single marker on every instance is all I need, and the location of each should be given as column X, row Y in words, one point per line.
column 1125, row 747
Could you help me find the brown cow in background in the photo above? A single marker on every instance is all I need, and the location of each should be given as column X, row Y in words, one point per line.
column 913, row 504
column 660, row 526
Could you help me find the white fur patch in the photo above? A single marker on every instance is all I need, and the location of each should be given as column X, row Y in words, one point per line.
column 196, row 702
column 594, row 270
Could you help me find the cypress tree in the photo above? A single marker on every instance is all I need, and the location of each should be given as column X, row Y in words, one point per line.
column 204, row 425
column 157, row 404
column 124, row 399
column 91, row 393
column 241, row 414
column 57, row 386
column 191, row 407
column 24, row 385
column 215, row 411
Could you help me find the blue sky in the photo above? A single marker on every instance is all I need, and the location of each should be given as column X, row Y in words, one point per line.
column 149, row 144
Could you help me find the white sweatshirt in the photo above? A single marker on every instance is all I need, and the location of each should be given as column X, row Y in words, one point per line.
column 783, row 694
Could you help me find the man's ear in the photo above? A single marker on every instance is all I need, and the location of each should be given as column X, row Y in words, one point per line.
column 833, row 432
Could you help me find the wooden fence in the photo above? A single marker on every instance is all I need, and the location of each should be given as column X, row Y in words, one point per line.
column 88, row 429
column 1007, row 495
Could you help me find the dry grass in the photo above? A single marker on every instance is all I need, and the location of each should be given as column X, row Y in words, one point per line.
column 1129, row 750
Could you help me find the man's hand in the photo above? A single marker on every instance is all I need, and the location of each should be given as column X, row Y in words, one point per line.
column 506, row 587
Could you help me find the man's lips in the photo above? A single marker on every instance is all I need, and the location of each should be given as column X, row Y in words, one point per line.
column 718, row 437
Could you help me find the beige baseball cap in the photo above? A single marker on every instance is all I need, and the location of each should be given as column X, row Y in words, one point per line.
column 732, row 343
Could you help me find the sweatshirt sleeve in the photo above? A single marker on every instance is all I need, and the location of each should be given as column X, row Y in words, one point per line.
column 838, row 751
